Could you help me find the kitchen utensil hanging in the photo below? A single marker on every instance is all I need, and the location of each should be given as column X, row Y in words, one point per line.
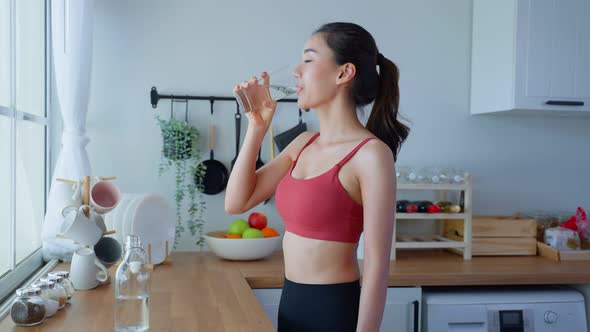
column 216, row 174
column 283, row 139
column 272, row 143
column 185, row 101
column 238, row 121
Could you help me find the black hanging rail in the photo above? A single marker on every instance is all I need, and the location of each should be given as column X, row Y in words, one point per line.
column 155, row 97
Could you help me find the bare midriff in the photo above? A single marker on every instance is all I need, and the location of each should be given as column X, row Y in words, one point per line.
column 312, row 261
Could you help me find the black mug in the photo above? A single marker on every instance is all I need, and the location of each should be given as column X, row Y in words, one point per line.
column 108, row 251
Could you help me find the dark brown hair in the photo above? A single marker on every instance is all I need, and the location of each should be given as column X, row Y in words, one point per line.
column 351, row 43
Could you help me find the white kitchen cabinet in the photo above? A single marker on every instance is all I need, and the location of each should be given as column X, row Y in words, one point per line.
column 402, row 311
column 269, row 299
column 531, row 55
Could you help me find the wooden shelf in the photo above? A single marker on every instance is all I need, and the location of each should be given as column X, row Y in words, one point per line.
column 430, row 215
column 437, row 241
column 432, row 186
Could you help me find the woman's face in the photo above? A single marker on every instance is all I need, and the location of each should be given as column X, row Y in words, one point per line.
column 317, row 74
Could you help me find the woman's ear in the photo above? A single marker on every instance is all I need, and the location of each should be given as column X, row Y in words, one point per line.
column 346, row 74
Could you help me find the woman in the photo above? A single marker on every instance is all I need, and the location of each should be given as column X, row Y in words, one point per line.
column 332, row 185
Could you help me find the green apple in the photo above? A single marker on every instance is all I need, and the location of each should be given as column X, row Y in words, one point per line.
column 238, row 227
column 252, row 233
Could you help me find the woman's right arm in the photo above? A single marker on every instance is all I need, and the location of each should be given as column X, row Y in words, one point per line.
column 248, row 187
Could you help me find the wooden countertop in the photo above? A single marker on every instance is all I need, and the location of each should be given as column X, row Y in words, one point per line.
column 200, row 292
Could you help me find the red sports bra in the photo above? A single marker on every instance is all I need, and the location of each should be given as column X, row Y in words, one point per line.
column 319, row 207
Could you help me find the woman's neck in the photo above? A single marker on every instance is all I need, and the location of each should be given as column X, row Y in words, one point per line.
column 338, row 121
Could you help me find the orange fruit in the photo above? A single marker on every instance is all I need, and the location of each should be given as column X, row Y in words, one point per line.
column 270, row 232
column 234, row 236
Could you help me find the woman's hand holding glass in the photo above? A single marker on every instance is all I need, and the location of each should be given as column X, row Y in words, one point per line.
column 255, row 100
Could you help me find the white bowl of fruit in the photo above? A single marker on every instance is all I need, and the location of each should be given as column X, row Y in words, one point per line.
column 244, row 240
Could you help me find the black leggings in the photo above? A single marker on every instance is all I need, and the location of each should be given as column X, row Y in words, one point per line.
column 319, row 308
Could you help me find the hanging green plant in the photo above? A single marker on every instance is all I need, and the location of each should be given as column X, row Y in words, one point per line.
column 180, row 151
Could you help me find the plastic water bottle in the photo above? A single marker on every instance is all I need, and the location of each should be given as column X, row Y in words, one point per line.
column 132, row 289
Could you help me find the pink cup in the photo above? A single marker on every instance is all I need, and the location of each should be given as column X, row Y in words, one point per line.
column 104, row 196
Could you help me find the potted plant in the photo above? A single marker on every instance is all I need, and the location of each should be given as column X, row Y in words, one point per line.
column 180, row 151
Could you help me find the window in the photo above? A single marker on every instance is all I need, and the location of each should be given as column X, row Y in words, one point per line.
column 23, row 138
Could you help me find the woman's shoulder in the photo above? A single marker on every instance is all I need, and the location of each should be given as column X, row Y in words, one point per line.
column 303, row 138
column 375, row 151
column 299, row 142
column 368, row 141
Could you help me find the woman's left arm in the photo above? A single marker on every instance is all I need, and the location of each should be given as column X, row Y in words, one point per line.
column 378, row 188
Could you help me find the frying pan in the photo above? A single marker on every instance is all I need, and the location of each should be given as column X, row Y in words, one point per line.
column 216, row 175
column 238, row 118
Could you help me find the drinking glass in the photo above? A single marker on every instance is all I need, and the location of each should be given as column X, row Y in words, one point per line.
column 282, row 84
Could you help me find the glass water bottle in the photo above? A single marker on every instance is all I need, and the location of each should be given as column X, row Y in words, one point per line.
column 132, row 289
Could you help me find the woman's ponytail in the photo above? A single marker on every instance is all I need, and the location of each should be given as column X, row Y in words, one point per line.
column 383, row 121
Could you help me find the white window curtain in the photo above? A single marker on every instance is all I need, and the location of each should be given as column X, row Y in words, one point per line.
column 71, row 36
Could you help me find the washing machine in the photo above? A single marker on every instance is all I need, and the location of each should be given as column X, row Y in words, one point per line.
column 503, row 309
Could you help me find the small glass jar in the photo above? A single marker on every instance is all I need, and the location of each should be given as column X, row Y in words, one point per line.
column 59, row 288
column 432, row 174
column 28, row 308
column 49, row 295
column 66, row 282
column 458, row 176
column 406, row 174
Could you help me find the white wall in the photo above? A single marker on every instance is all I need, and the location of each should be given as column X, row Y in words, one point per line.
column 205, row 47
